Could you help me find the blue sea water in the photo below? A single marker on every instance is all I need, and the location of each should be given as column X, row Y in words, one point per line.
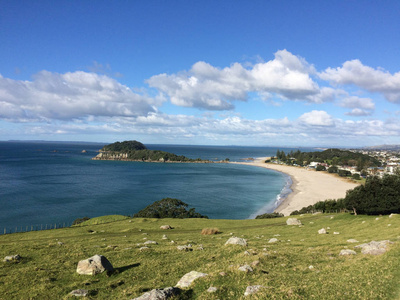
column 50, row 182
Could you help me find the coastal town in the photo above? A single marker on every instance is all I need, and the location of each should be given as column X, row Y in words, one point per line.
column 386, row 161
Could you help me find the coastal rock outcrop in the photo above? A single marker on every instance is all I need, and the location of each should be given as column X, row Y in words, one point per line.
column 236, row 241
column 94, row 265
column 188, row 279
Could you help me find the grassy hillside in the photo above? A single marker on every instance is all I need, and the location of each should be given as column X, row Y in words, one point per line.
column 49, row 259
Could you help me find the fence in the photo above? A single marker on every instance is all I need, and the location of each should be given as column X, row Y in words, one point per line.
column 40, row 227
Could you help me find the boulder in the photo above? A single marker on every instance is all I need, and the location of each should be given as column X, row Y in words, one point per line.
column 293, row 221
column 165, row 227
column 322, row 231
column 79, row 293
column 347, row 252
column 273, row 240
column 94, row 265
column 16, row 257
column 252, row 289
column 374, row 247
column 188, row 279
column 236, row 241
column 159, row 294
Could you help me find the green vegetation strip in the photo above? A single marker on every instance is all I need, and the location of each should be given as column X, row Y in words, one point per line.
column 301, row 265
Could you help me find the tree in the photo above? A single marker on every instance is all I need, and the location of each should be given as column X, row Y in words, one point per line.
column 168, row 208
column 333, row 169
column 377, row 196
column 320, row 168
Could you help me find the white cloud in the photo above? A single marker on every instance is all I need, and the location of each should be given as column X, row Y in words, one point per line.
column 317, row 118
column 370, row 79
column 358, row 112
column 208, row 87
column 69, row 96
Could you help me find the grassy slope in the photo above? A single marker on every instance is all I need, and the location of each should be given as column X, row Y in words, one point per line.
column 47, row 270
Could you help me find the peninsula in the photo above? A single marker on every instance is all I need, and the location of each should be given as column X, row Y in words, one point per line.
column 136, row 151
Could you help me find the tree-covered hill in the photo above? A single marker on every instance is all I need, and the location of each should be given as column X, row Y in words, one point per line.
column 329, row 156
column 136, row 151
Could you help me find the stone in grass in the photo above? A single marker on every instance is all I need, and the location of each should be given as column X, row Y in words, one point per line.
column 94, row 265
column 347, row 252
column 159, row 294
column 188, row 279
column 374, row 247
column 322, row 231
column 273, row 240
column 150, row 242
column 293, row 221
column 143, row 249
column 165, row 227
column 245, row 268
column 252, row 289
column 352, row 241
column 236, row 241
column 212, row 289
column 16, row 257
column 79, row 293
column 185, row 247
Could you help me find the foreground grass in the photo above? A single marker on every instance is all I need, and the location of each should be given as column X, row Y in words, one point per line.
column 48, row 268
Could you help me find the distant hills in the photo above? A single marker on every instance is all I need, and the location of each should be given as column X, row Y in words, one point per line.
column 383, row 147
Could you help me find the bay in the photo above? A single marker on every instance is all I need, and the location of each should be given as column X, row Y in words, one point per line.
column 54, row 182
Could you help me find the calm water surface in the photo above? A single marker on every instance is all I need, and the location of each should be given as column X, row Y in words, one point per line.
column 43, row 183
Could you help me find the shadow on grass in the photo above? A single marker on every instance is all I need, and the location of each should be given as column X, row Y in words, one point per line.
column 125, row 268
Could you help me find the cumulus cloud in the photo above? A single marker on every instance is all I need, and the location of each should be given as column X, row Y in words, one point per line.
column 370, row 79
column 69, row 96
column 205, row 86
column 317, row 118
column 359, row 106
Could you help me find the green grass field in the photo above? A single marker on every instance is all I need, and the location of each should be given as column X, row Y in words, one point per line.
column 47, row 269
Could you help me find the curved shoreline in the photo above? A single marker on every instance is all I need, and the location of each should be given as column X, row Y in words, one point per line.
column 308, row 186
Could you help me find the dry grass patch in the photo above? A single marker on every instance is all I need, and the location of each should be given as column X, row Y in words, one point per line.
column 209, row 231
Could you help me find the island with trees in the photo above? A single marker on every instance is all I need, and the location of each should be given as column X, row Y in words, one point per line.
column 136, row 151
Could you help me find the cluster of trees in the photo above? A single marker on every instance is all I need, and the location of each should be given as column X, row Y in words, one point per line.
column 124, row 146
column 168, row 208
column 270, row 215
column 138, row 151
column 330, row 156
column 377, row 196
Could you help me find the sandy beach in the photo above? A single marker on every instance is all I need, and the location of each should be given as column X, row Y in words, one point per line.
column 308, row 186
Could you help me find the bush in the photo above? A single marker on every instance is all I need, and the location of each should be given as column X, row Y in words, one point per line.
column 356, row 176
column 209, row 231
column 270, row 216
column 80, row 220
column 377, row 196
column 168, row 208
column 320, row 168
column 333, row 169
column 344, row 173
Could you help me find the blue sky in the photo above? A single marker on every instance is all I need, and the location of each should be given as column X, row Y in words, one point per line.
column 274, row 73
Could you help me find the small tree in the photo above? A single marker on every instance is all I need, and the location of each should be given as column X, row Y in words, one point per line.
column 168, row 208
column 320, row 168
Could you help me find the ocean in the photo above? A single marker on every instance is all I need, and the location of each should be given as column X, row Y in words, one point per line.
column 56, row 183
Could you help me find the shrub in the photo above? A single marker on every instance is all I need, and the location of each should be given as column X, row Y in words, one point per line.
column 168, row 208
column 209, row 231
column 80, row 220
column 270, row 216
column 320, row 168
